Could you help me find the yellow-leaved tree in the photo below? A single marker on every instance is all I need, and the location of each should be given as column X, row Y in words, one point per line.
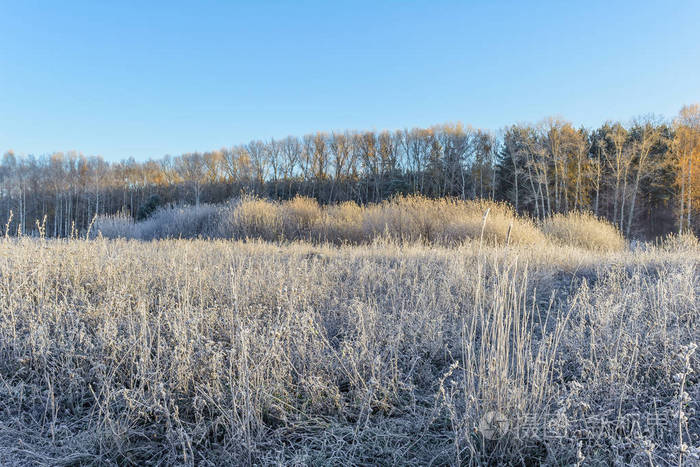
column 686, row 150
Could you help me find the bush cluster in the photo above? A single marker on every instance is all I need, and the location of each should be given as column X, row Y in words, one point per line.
column 446, row 221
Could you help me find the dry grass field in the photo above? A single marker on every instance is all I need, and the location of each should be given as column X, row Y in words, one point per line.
column 373, row 345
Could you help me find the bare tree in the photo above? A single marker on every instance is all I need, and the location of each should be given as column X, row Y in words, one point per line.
column 618, row 162
column 291, row 151
column 686, row 149
column 581, row 146
column 193, row 170
column 645, row 136
column 258, row 160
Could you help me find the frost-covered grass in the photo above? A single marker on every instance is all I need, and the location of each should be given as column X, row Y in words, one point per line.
column 215, row 352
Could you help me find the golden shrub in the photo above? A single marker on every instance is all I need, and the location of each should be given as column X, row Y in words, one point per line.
column 584, row 230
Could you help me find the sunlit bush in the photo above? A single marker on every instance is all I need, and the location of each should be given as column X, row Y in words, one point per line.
column 584, row 230
column 253, row 218
column 300, row 216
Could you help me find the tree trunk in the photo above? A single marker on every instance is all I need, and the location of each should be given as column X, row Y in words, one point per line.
column 634, row 198
column 690, row 187
column 682, row 210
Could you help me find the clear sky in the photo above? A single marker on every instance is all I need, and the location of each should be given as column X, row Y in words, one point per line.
column 149, row 78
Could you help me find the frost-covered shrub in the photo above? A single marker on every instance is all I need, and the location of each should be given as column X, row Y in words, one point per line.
column 120, row 225
column 179, row 222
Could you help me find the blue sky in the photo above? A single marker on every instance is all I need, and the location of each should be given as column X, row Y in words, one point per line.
column 144, row 79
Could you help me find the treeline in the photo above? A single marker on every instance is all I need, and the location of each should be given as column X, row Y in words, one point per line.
column 642, row 176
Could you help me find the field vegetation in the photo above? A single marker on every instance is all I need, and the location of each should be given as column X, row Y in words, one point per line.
column 395, row 333
column 447, row 222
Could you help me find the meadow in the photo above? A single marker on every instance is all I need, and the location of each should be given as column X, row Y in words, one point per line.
column 411, row 332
